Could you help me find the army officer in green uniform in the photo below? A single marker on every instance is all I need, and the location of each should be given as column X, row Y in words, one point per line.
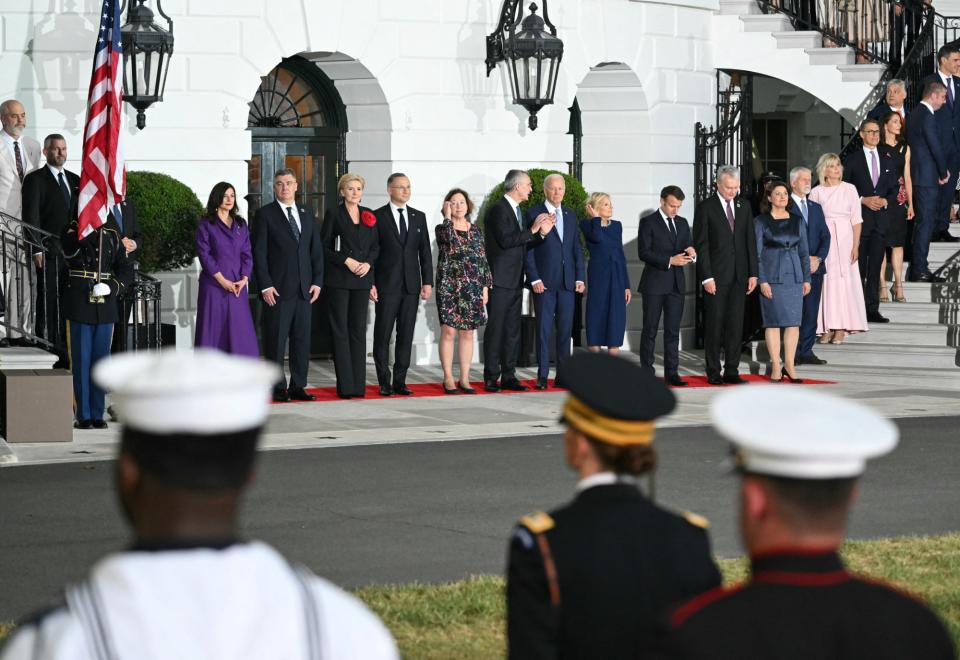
column 594, row 578
column 97, row 268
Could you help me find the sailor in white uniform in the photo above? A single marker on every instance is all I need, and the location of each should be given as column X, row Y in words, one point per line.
column 189, row 588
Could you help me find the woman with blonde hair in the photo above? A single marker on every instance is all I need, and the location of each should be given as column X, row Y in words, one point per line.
column 842, row 309
column 609, row 292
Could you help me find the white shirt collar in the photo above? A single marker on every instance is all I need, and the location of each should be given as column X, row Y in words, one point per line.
column 395, row 208
column 513, row 204
column 665, row 217
column 55, row 171
column 945, row 77
column 723, row 202
column 551, row 209
column 928, row 106
column 797, row 198
column 10, row 139
column 603, row 479
column 899, row 110
column 867, row 151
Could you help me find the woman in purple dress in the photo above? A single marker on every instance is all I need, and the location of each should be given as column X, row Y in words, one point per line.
column 224, row 321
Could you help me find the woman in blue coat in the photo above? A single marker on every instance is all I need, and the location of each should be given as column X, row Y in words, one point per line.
column 784, row 269
column 609, row 285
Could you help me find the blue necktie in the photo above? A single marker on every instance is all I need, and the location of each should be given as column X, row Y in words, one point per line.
column 803, row 210
column 519, row 219
column 118, row 215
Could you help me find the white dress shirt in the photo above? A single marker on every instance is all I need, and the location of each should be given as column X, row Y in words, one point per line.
column 395, row 210
column 293, row 209
column 723, row 203
column 666, row 222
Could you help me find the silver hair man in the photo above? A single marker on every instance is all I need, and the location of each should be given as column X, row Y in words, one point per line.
column 513, row 179
column 728, row 171
column 797, row 171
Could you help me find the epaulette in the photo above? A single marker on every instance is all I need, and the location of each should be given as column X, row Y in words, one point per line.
column 538, row 522
column 696, row 520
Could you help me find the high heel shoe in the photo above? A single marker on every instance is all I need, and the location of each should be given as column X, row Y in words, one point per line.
column 792, row 379
column 826, row 337
column 838, row 337
column 897, row 292
column 779, row 369
column 883, row 294
column 450, row 390
column 465, row 389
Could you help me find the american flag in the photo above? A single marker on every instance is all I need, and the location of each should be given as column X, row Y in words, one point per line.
column 103, row 177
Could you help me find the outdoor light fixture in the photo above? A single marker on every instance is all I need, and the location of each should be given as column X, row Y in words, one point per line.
column 147, row 48
column 532, row 55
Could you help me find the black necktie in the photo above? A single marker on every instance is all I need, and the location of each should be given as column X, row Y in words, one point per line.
column 403, row 227
column 16, row 152
column 673, row 230
column 64, row 189
column 293, row 224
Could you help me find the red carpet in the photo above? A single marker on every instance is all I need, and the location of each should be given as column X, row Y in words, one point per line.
column 436, row 389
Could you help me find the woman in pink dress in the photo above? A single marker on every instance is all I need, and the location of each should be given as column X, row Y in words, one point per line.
column 842, row 309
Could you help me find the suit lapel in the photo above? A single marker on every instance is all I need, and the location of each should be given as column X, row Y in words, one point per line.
column 393, row 224
column 282, row 218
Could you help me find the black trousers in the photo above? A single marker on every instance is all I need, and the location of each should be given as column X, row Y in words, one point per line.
column 723, row 327
column 501, row 339
column 873, row 240
column 288, row 319
column 50, row 323
column 400, row 310
column 348, row 325
column 670, row 305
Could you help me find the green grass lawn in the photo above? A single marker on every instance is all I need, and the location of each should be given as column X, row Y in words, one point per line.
column 466, row 619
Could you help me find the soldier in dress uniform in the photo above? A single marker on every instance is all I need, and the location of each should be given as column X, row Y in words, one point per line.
column 800, row 454
column 189, row 587
column 593, row 578
column 97, row 269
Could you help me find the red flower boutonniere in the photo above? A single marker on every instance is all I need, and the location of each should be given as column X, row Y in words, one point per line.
column 368, row 218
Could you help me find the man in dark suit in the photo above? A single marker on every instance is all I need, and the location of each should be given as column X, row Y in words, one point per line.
column 665, row 246
column 894, row 101
column 928, row 171
column 818, row 242
column 592, row 579
column 877, row 183
column 403, row 275
column 948, row 128
column 506, row 242
column 288, row 261
column 554, row 269
column 49, row 194
column 124, row 216
column 726, row 246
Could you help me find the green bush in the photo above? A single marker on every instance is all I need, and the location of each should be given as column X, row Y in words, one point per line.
column 167, row 211
column 574, row 199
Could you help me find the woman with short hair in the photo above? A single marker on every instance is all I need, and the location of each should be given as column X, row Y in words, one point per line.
column 609, row 292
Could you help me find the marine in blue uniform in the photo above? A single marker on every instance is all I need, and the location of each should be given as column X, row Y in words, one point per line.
column 91, row 310
column 591, row 579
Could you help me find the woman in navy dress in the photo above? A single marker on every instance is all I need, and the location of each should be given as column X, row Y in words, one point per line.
column 224, row 320
column 609, row 292
column 784, row 265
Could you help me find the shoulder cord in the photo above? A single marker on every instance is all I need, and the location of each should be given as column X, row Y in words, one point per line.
column 550, row 568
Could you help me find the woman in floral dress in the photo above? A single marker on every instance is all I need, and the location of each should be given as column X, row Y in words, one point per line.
column 463, row 280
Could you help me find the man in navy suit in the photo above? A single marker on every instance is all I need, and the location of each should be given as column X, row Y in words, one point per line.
column 818, row 241
column 928, row 170
column 948, row 128
column 665, row 246
column 877, row 184
column 894, row 101
column 288, row 260
column 554, row 268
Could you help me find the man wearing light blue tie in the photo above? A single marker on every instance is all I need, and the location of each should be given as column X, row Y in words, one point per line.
column 554, row 268
column 818, row 241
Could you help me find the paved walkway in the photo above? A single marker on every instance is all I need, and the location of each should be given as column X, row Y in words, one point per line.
column 900, row 392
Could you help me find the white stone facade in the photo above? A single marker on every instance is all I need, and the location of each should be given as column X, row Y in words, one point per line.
column 417, row 97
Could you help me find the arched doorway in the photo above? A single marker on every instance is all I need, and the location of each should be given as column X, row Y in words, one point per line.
column 298, row 121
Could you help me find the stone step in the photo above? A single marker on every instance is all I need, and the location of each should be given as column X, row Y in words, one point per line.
column 870, row 73
column 898, row 377
column 830, row 56
column 738, row 7
column 765, row 23
column 918, row 312
column 910, row 334
column 799, row 39
column 941, row 253
column 883, row 355
column 921, row 292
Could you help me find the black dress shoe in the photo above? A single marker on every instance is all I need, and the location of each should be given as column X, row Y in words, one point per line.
column 300, row 394
column 83, row 424
column 344, row 396
column 946, row 237
column 927, row 277
column 491, row 386
column 876, row 317
column 514, row 386
column 402, row 389
column 791, row 379
column 281, row 396
column 465, row 389
column 809, row 359
column 386, row 390
column 541, row 384
column 676, row 381
column 450, row 390
column 98, row 424
column 733, row 379
column 715, row 380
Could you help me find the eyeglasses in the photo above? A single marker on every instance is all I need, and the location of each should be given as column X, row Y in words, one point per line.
column 871, row 132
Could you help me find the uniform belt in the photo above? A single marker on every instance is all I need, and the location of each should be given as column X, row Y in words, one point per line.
column 89, row 274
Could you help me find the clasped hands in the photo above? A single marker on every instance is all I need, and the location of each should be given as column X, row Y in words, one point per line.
column 271, row 295
column 543, row 224
column 358, row 268
column 874, row 203
column 232, row 287
column 682, row 259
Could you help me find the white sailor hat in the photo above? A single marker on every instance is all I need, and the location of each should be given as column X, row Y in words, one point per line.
column 203, row 392
column 802, row 434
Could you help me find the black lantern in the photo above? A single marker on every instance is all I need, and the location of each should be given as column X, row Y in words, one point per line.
column 147, row 48
column 532, row 54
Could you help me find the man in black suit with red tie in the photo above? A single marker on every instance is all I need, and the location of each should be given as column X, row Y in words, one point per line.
column 49, row 194
column 665, row 246
column 506, row 242
column 288, row 261
column 877, row 183
column 723, row 236
column 403, row 275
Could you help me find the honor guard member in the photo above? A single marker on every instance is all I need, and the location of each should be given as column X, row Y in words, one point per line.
column 799, row 474
column 189, row 587
column 593, row 578
column 97, row 269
